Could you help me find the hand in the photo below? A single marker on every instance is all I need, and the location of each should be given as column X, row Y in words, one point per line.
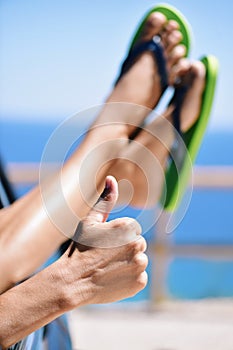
column 103, row 275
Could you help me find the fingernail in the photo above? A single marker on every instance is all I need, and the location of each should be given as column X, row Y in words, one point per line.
column 106, row 191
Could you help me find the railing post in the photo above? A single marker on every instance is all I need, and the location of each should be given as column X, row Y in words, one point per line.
column 161, row 257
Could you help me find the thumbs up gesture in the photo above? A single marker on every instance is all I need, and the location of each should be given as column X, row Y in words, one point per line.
column 108, row 262
column 94, row 231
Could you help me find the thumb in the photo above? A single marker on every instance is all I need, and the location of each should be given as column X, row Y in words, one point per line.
column 105, row 203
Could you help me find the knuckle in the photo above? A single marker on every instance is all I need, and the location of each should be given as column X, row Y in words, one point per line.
column 141, row 261
column 130, row 225
column 139, row 245
column 120, row 223
column 139, row 283
column 142, row 280
column 127, row 224
column 133, row 247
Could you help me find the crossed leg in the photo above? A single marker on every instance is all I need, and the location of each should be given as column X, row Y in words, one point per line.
column 35, row 228
column 144, row 161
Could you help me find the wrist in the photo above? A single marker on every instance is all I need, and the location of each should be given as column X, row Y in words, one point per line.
column 74, row 290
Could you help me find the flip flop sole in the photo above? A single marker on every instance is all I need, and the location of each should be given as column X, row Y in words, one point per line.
column 177, row 183
column 171, row 13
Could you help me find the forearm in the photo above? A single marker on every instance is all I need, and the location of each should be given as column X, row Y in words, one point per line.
column 30, row 231
column 85, row 276
column 32, row 304
column 27, row 239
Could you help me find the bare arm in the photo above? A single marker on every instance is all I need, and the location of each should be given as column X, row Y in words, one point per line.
column 64, row 286
column 30, row 305
column 28, row 236
column 94, row 275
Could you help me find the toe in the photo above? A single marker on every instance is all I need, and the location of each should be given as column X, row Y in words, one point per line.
column 198, row 69
column 176, row 54
column 172, row 39
column 172, row 25
column 153, row 25
column 179, row 69
column 186, row 72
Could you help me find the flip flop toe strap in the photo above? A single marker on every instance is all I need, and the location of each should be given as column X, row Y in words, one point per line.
column 178, row 149
column 153, row 46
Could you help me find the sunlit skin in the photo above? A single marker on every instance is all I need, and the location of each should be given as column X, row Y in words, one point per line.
column 158, row 138
column 28, row 237
column 89, row 275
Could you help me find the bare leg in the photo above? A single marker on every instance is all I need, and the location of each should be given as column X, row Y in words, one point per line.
column 137, row 91
column 146, row 173
column 28, row 232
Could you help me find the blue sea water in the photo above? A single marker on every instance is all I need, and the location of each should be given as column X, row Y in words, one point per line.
column 207, row 221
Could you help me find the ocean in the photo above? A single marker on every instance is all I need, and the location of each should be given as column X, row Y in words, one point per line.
column 208, row 220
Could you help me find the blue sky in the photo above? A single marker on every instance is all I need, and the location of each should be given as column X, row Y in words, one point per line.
column 58, row 57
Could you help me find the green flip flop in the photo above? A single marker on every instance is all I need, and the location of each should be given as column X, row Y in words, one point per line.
column 154, row 46
column 171, row 13
column 176, row 180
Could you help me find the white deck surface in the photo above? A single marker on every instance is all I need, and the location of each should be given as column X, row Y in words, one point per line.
column 200, row 325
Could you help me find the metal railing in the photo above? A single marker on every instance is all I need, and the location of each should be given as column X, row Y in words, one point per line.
column 215, row 177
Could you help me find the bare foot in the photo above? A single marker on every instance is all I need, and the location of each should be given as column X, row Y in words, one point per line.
column 147, row 157
column 142, row 83
column 137, row 91
column 191, row 74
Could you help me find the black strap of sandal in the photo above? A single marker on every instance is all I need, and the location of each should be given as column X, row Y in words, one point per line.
column 6, row 191
column 178, row 150
column 156, row 48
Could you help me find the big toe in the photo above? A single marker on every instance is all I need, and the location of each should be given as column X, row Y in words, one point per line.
column 153, row 25
column 170, row 34
column 189, row 72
